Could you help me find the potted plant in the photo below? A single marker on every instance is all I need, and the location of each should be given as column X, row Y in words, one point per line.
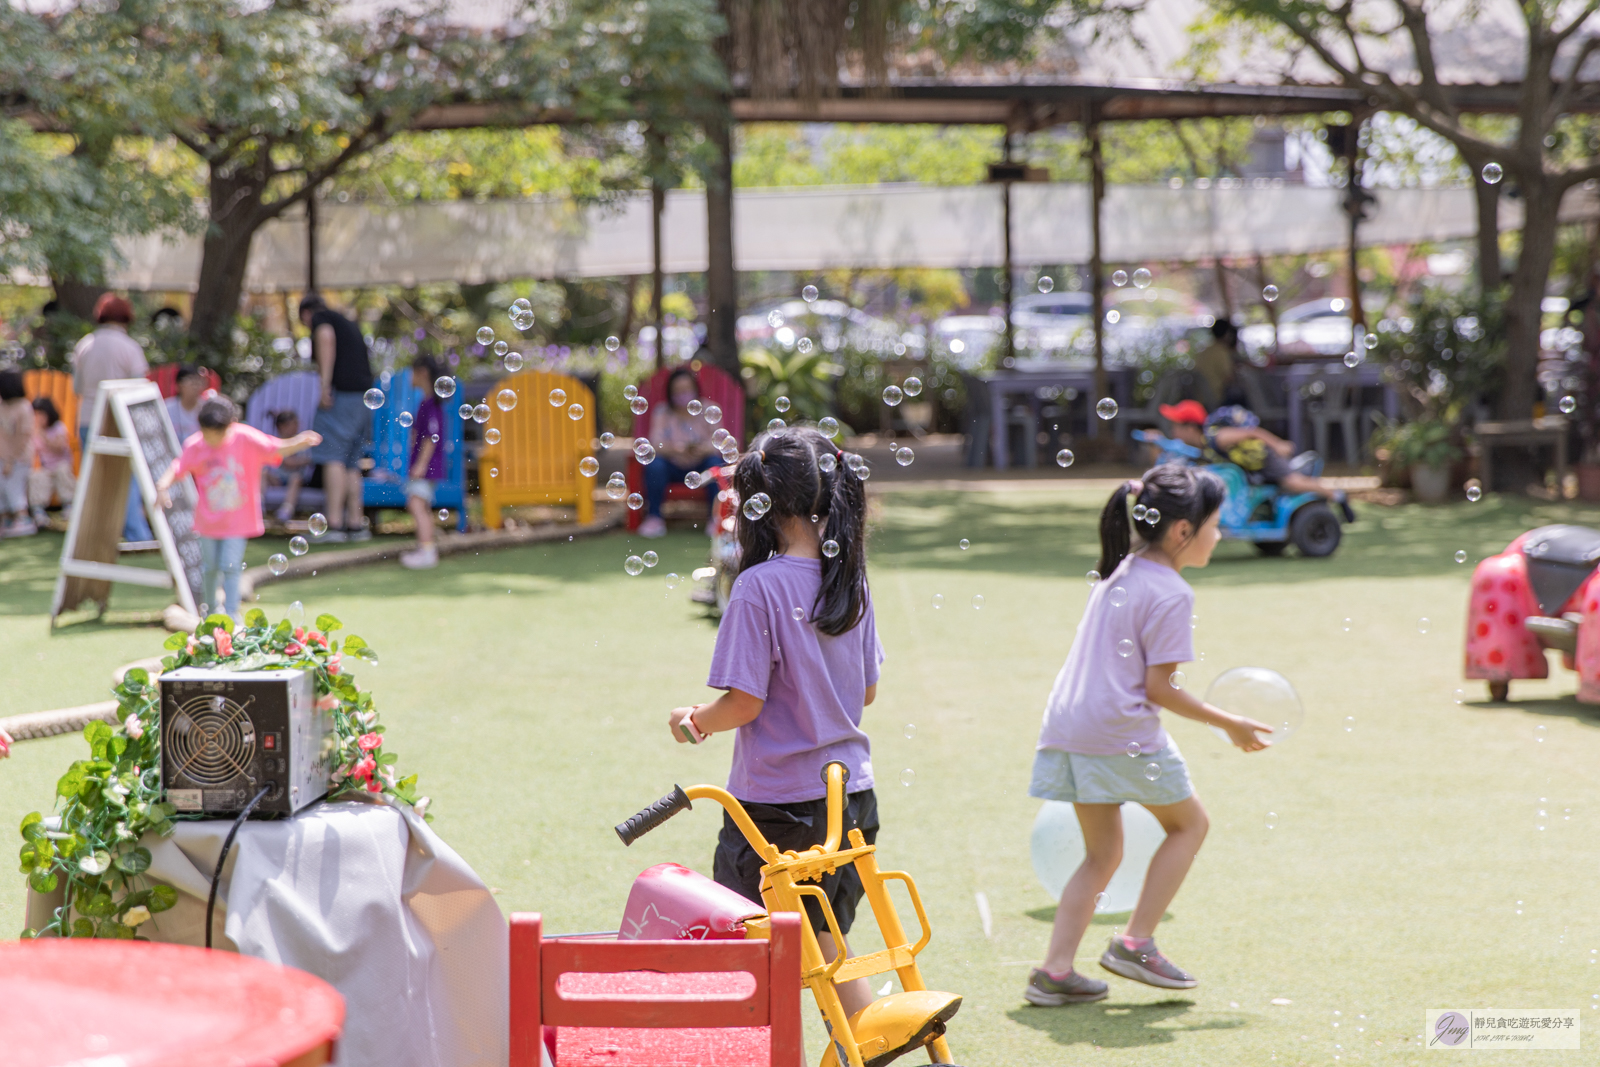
column 1428, row 450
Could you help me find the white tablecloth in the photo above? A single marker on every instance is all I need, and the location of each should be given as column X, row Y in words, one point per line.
column 366, row 896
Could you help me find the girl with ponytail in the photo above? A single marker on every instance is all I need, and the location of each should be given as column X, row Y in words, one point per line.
column 1102, row 743
column 797, row 656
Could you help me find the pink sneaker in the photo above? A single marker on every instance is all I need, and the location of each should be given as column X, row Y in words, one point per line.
column 653, row 527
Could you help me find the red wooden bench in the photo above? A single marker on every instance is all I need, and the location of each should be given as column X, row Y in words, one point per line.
column 725, row 1003
column 166, row 379
column 718, row 387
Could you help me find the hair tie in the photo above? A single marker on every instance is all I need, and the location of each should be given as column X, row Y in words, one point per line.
column 761, row 455
column 1135, row 486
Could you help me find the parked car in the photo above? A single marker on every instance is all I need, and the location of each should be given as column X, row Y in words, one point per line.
column 969, row 338
column 1320, row 328
column 830, row 323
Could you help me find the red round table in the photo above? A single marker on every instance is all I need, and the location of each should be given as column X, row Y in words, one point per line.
column 135, row 1004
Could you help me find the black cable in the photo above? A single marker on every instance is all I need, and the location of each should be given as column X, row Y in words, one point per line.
column 211, row 902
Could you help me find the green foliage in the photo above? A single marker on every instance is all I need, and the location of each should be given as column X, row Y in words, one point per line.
column 804, row 377
column 106, row 804
column 1426, row 443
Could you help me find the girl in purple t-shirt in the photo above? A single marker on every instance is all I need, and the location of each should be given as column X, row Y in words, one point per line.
column 798, row 655
column 1102, row 744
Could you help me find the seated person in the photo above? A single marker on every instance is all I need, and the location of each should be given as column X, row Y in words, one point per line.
column 183, row 408
column 297, row 472
column 52, row 444
column 1233, row 434
column 683, row 444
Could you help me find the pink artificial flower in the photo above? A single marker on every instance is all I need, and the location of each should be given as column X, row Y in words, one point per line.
column 300, row 634
column 374, row 787
column 133, row 727
column 5, row 744
column 327, row 703
column 364, row 768
column 368, row 742
column 224, row 641
column 315, row 638
column 189, row 649
column 334, row 665
column 293, row 648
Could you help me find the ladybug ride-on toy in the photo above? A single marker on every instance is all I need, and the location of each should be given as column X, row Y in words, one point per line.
column 1262, row 513
column 1539, row 593
column 890, row 1026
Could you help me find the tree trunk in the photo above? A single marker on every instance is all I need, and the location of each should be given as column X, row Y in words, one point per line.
column 722, row 284
column 1519, row 392
column 235, row 215
column 76, row 298
column 1488, row 197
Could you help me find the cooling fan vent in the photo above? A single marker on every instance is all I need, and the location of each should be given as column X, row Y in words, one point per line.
column 211, row 740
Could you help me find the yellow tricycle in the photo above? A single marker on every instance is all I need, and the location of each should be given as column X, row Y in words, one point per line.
column 890, row 1026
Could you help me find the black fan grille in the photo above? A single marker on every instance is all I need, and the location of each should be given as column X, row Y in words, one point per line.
column 210, row 741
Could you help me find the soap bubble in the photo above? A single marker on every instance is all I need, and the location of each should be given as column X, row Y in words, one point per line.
column 1474, row 490
column 465, row 411
column 938, row 601
column 830, row 548
column 1423, row 625
column 1046, row 283
column 977, row 602
column 782, row 403
column 277, row 563
column 752, row 510
column 775, row 424
column 1272, row 820
column 1139, row 511
column 1152, row 771
column 1260, row 694
column 964, row 544
column 629, row 392
column 1492, row 173
column 804, row 346
column 1370, row 341
column 1461, row 555
column 1352, row 360
column 907, row 776
column 1349, row 723
column 607, row 439
column 638, row 405
column 892, row 395
column 521, row 303
column 713, row 414
column 588, row 466
column 1141, row 279
column 1269, row 293
column 774, row 318
column 1567, row 404
column 644, row 452
column 1092, row 577
column 558, row 397
column 1176, row 679
column 575, row 412
column 298, row 545
column 1125, row 648
column 522, row 319
column 904, row 457
column 505, row 399
column 633, row 565
column 673, row 579
column 616, row 486
column 480, row 414
column 912, row 386
column 1057, row 850
column 826, row 463
column 444, row 388
column 694, row 406
column 296, row 614
column 444, row 514
column 404, row 418
column 494, row 472
column 1119, row 278
column 485, row 335
column 797, row 614
column 692, row 479
column 500, row 348
column 828, row 426
column 651, row 559
column 613, row 343
column 809, row 293
column 317, row 524
column 635, row 501
column 1065, row 458
column 863, row 472
column 1118, row 596
column 1133, row 748
column 373, row 398
column 491, row 436
column 1106, row 408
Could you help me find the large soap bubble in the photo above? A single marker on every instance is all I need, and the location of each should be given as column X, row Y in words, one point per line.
column 1057, row 848
column 1260, row 694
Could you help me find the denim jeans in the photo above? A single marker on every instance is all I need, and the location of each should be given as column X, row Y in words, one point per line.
column 223, row 558
column 662, row 472
column 135, row 527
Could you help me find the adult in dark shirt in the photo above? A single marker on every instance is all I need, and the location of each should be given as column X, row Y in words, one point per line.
column 342, row 417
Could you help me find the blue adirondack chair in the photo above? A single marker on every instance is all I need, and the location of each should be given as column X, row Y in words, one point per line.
column 385, row 485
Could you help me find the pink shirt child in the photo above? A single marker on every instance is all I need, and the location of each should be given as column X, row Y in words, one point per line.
column 229, row 480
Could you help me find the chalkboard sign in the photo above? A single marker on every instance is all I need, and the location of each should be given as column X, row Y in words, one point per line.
column 131, row 440
column 152, row 429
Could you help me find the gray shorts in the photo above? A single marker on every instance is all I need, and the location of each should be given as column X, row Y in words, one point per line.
column 1077, row 778
column 345, row 428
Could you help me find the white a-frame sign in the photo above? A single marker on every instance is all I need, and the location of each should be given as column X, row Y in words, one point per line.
column 130, row 436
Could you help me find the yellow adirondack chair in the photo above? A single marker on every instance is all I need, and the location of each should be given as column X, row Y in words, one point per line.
column 536, row 459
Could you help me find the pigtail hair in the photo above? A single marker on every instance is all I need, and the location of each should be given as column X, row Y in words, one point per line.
column 758, row 539
column 842, row 597
column 1116, row 529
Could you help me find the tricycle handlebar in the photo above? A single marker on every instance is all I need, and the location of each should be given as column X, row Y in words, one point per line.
column 636, row 827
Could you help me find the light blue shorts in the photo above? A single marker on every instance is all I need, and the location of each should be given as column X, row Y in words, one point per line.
column 422, row 489
column 1076, row 778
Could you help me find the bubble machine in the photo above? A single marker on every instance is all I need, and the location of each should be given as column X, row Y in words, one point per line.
column 226, row 735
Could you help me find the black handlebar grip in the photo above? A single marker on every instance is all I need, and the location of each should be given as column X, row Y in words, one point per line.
column 653, row 816
column 843, row 769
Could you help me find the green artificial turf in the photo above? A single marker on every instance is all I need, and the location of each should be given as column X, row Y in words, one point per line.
column 530, row 687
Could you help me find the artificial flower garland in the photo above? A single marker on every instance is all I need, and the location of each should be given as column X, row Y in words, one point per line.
column 107, row 802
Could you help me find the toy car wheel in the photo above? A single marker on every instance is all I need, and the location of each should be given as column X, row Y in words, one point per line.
column 1271, row 548
column 1499, row 692
column 1315, row 530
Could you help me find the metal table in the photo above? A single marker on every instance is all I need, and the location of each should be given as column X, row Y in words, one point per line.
column 1011, row 382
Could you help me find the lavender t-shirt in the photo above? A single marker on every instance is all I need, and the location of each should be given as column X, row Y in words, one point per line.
column 814, row 686
column 1098, row 704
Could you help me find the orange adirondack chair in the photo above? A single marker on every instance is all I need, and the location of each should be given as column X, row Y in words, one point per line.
column 57, row 385
column 536, row 459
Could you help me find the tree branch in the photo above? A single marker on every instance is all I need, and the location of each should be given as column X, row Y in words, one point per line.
column 1563, row 93
column 1560, row 36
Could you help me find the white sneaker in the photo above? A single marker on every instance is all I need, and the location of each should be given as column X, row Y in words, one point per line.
column 420, row 558
column 20, row 528
column 653, row 527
